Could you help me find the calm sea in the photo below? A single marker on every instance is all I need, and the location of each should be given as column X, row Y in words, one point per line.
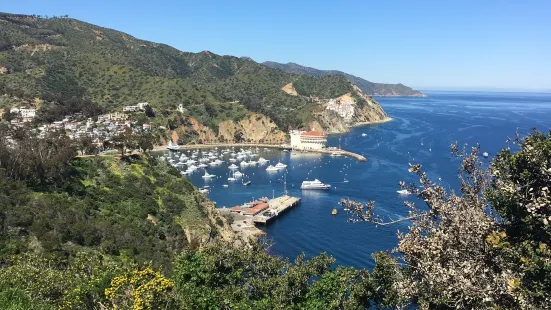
column 421, row 132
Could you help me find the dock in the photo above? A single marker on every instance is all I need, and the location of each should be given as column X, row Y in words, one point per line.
column 261, row 211
column 341, row 152
column 276, row 207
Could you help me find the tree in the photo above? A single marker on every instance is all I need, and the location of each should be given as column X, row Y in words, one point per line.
column 149, row 111
column 487, row 247
column 125, row 140
column 85, row 144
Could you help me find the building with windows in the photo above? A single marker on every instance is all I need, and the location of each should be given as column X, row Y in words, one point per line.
column 308, row 140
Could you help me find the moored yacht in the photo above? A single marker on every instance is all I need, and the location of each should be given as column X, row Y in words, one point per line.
column 173, row 147
column 279, row 165
column 271, row 168
column 316, row 184
column 233, row 166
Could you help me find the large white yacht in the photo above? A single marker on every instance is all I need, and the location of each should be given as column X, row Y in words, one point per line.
column 233, row 166
column 279, row 165
column 316, row 184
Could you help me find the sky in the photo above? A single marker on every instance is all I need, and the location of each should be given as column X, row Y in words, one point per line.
column 425, row 44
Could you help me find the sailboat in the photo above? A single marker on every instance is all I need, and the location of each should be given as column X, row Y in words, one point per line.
column 232, row 178
column 208, row 175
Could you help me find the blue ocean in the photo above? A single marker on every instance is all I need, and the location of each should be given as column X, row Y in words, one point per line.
column 421, row 131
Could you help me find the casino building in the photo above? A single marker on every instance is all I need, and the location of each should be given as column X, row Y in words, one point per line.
column 308, row 140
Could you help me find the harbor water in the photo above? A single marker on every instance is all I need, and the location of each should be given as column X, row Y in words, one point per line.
column 422, row 131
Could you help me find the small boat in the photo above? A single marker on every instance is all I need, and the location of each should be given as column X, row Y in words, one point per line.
column 316, row 184
column 271, row 168
column 238, row 174
column 208, row 175
column 345, row 181
column 203, row 165
column 247, row 183
column 225, row 185
column 233, row 166
column 173, row 147
column 204, row 190
column 279, row 165
column 192, row 167
column 364, row 134
column 232, row 160
column 334, row 212
column 404, row 192
column 485, row 154
column 286, row 150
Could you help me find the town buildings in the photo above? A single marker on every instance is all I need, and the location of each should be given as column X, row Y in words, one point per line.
column 308, row 140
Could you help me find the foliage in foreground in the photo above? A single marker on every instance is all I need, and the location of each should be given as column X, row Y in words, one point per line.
column 486, row 247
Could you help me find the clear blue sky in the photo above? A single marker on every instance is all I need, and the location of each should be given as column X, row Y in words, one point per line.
column 425, row 44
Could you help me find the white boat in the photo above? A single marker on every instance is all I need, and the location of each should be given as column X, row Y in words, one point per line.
column 404, row 192
column 233, row 166
column 238, row 174
column 336, row 154
column 244, row 163
column 262, row 160
column 173, row 147
column 364, row 134
column 252, row 163
column 232, row 160
column 203, row 166
column 485, row 154
column 225, row 185
column 316, row 184
column 271, row 168
column 204, row 190
column 208, row 175
column 192, row 167
column 279, row 165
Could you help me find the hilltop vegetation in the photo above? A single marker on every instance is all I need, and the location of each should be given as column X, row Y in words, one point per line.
column 57, row 59
column 370, row 88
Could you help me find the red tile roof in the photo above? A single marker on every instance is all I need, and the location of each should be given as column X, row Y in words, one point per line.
column 254, row 210
column 313, row 134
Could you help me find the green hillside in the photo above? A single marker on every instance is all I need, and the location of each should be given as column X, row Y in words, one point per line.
column 370, row 88
column 60, row 58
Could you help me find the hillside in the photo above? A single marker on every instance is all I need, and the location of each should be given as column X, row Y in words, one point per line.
column 370, row 88
column 55, row 59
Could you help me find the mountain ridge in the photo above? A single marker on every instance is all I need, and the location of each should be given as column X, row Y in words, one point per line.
column 370, row 88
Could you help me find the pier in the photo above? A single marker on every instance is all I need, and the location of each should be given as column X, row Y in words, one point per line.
column 333, row 152
column 261, row 211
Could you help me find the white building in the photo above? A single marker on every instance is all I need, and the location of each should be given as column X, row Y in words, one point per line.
column 130, row 108
column 345, row 109
column 181, row 108
column 27, row 114
column 308, row 140
column 142, row 105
